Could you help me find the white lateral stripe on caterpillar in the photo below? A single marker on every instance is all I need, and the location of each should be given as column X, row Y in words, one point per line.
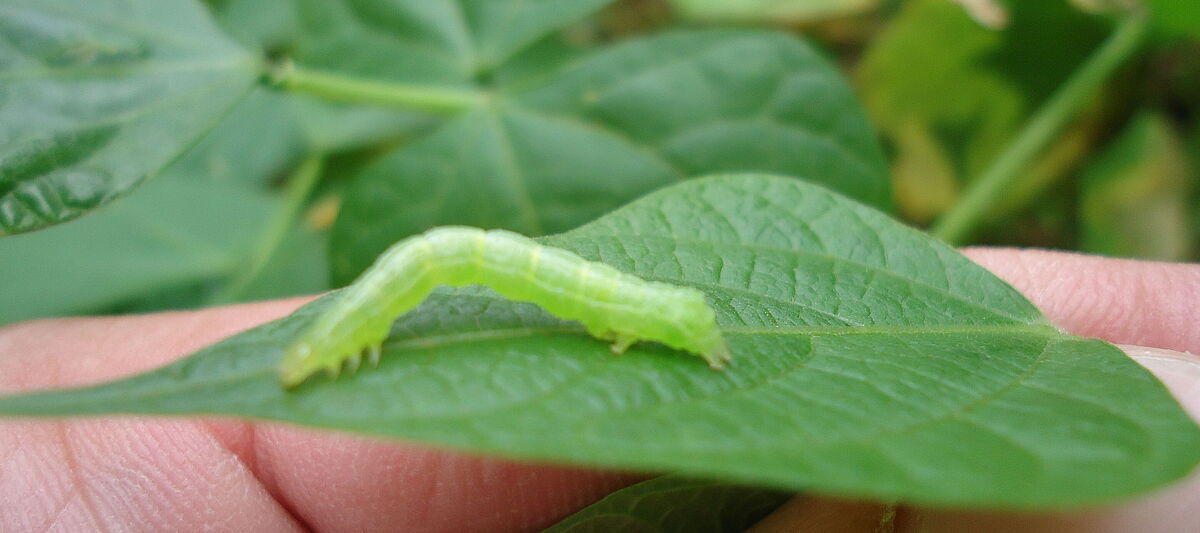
column 612, row 305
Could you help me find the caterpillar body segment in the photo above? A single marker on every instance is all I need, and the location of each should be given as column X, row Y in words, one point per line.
column 612, row 305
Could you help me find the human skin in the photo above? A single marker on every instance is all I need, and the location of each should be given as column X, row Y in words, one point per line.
column 121, row 474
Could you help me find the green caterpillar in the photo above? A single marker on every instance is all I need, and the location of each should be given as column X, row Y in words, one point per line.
column 612, row 305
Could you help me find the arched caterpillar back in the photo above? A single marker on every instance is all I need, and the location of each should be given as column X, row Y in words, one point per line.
column 611, row 304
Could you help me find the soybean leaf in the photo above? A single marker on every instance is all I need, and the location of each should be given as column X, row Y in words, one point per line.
column 950, row 94
column 427, row 41
column 778, row 11
column 299, row 266
column 669, row 503
column 97, row 96
column 255, row 143
column 1135, row 196
column 447, row 43
column 174, row 243
column 170, row 233
column 1173, row 18
column 869, row 361
column 170, row 244
column 265, row 25
column 1193, row 140
column 543, row 157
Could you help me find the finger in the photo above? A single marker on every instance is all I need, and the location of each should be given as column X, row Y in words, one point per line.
column 129, row 473
column 113, row 474
column 347, row 483
column 1123, row 301
column 123, row 475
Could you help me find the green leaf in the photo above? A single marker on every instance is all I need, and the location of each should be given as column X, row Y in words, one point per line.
column 869, row 361
column 1135, row 196
column 1192, row 141
column 300, row 266
column 335, row 127
column 1175, row 18
column 177, row 242
column 422, row 40
column 779, row 11
column 923, row 175
column 171, row 233
column 97, row 96
column 970, row 92
column 173, row 243
column 267, row 25
column 253, row 144
column 447, row 43
column 668, row 503
column 618, row 123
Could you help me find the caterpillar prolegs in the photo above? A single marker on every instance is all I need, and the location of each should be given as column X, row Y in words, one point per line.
column 612, row 305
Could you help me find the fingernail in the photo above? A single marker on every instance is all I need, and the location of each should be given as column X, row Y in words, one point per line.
column 1179, row 371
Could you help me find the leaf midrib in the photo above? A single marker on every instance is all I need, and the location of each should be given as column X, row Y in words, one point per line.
column 456, row 338
column 822, row 255
column 568, row 381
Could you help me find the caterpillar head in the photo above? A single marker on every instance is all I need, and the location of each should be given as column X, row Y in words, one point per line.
column 297, row 364
column 696, row 328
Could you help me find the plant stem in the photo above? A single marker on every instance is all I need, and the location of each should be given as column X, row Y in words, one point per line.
column 960, row 221
column 299, row 185
column 286, row 75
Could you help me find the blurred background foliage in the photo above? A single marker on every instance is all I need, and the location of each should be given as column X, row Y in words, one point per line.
column 947, row 85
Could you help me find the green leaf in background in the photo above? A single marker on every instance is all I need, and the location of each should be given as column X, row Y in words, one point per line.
column 444, row 43
column 183, row 239
column 776, row 11
column 1193, row 143
column 178, row 235
column 97, row 96
column 1176, row 18
column 428, row 41
column 542, row 158
column 923, row 173
column 950, row 94
column 1135, row 196
column 298, row 267
column 869, row 361
column 169, row 233
column 255, row 143
column 264, row 25
column 671, row 504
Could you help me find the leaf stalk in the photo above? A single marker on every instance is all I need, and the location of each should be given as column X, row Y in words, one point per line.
column 959, row 222
column 287, row 76
column 299, row 186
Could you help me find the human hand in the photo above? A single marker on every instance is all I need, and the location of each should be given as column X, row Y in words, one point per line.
column 175, row 475
column 146, row 474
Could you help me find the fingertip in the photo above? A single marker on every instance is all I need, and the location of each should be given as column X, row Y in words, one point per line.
column 1120, row 300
